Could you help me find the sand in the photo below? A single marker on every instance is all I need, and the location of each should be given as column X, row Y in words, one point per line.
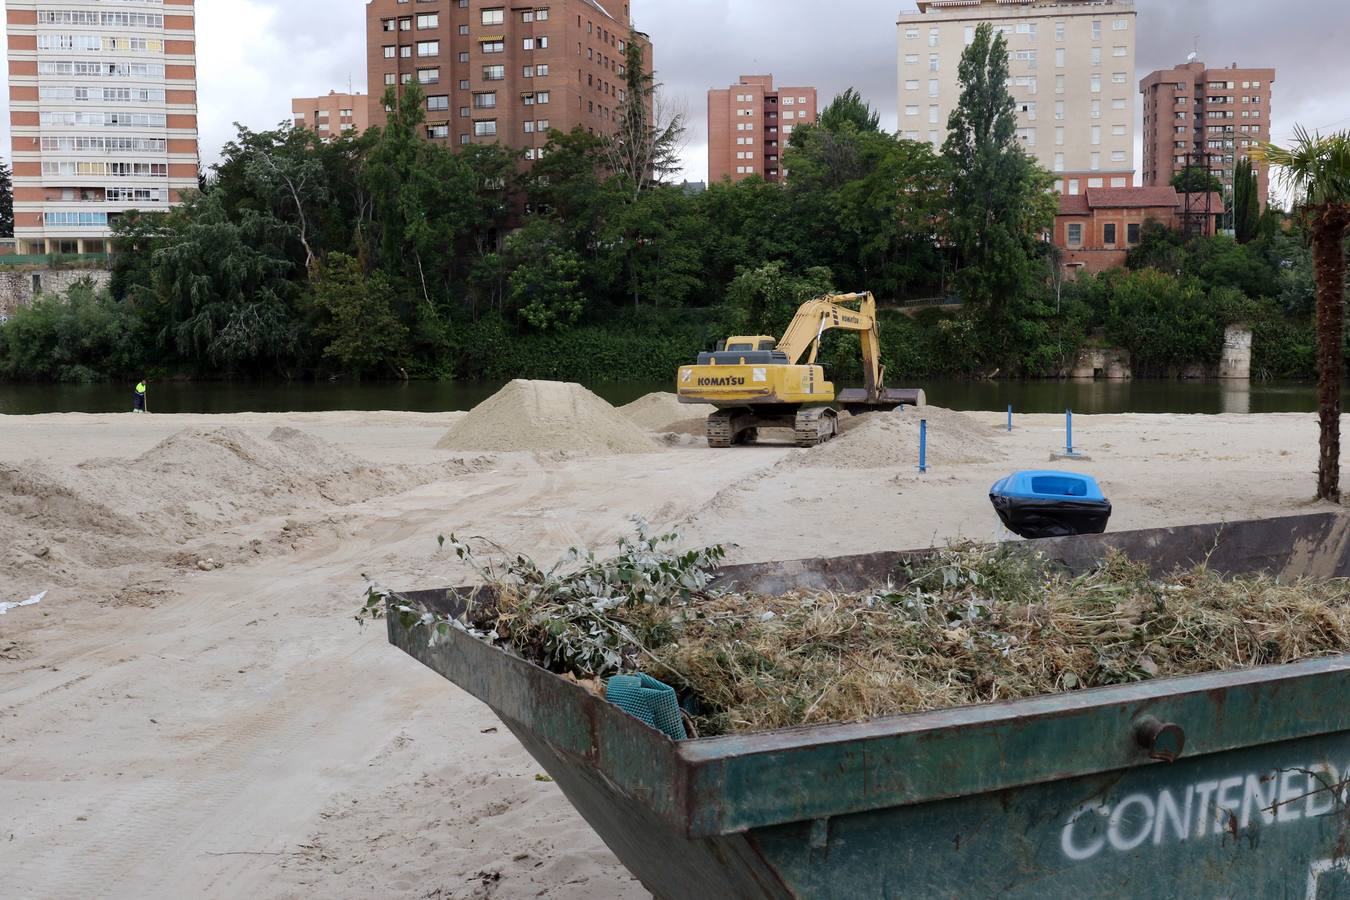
column 891, row 439
column 664, row 413
column 168, row 730
column 543, row 416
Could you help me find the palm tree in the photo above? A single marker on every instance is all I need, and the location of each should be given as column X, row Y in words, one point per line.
column 1317, row 169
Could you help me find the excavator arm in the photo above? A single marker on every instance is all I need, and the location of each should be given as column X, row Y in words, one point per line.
column 832, row 312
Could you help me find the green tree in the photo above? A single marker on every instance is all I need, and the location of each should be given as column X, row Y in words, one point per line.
column 764, row 300
column 1317, row 170
column 81, row 335
column 546, row 281
column 360, row 326
column 1246, row 202
column 1193, row 180
column 849, row 109
column 999, row 205
column 644, row 147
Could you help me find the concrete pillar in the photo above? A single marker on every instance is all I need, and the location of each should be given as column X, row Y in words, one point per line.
column 1236, row 362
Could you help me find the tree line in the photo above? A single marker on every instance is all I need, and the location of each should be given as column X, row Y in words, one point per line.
column 384, row 255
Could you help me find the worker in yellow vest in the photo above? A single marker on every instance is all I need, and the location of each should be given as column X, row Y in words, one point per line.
column 138, row 400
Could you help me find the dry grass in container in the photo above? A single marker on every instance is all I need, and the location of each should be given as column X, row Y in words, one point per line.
column 967, row 625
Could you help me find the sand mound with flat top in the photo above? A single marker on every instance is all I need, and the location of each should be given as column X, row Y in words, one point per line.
column 545, row 416
column 885, row 440
column 663, row 412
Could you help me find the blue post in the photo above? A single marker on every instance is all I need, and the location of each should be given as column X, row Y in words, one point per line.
column 923, row 445
column 1010, row 417
column 1068, row 432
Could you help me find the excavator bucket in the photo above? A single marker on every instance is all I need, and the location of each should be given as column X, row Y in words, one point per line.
column 856, row 400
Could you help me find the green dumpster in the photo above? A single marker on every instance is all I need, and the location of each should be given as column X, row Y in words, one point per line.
column 1231, row 784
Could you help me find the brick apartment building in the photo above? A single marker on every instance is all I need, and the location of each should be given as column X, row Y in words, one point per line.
column 103, row 115
column 1071, row 72
column 497, row 72
column 1095, row 230
column 749, row 125
column 1205, row 118
column 332, row 115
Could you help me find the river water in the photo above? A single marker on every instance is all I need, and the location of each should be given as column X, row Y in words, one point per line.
column 1086, row 397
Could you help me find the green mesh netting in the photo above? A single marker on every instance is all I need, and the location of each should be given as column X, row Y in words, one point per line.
column 651, row 701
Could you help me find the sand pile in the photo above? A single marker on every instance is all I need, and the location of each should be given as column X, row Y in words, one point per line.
column 663, row 412
column 546, row 416
column 175, row 502
column 885, row 440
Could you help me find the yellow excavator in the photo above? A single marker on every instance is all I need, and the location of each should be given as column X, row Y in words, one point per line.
column 759, row 382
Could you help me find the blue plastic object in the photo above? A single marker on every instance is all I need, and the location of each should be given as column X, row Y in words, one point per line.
column 1041, row 504
column 1048, row 485
column 650, row 700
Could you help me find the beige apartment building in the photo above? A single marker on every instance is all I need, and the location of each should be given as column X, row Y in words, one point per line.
column 103, row 115
column 496, row 72
column 750, row 124
column 1072, row 74
column 1207, row 119
column 333, row 115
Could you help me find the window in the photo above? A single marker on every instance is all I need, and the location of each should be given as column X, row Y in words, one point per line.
column 428, row 76
column 541, row 97
column 1059, row 162
column 438, row 131
column 970, row 35
column 390, row 78
column 1074, row 186
column 1096, row 109
column 485, row 100
column 1131, row 231
column 428, row 48
column 485, row 128
column 1118, row 182
column 1118, row 103
column 541, row 71
column 1059, row 31
column 438, row 102
column 1075, row 234
column 527, row 71
column 1097, row 30
column 1059, row 136
column 933, row 62
column 492, row 46
column 1109, row 233
column 911, row 59
column 911, row 34
column 1096, row 56
column 1117, row 156
column 1096, row 84
column 494, row 73
column 464, row 31
column 912, row 84
column 1120, row 25
column 933, row 35
column 1060, row 57
column 1027, row 136
column 1059, row 110
column 932, row 87
column 1029, row 108
column 933, row 115
column 1119, row 51
column 405, row 51
column 1096, row 135
column 1095, row 163
column 1118, row 130
column 494, row 17
column 1059, row 84
column 429, row 20
column 389, row 51
column 1094, row 182
column 912, row 110
column 1117, row 77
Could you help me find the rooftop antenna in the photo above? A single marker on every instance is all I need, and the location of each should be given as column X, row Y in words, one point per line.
column 1195, row 54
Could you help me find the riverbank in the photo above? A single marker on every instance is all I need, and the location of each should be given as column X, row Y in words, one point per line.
column 191, row 710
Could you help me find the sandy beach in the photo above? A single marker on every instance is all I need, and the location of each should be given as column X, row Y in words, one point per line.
column 191, row 709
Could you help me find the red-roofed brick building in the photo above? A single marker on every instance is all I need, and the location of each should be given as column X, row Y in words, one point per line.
column 1096, row 229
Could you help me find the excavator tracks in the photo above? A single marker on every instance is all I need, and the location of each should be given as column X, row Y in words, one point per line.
column 720, row 433
column 816, row 426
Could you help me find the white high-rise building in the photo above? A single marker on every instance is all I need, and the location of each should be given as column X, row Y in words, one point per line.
column 1071, row 67
column 103, row 115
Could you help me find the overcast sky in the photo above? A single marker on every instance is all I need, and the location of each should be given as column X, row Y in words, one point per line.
column 257, row 54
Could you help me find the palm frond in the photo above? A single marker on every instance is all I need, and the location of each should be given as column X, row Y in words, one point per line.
column 1315, row 168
